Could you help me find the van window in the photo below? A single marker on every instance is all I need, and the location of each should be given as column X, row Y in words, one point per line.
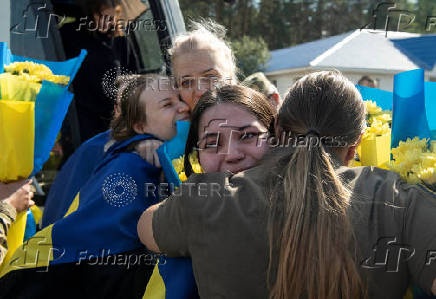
column 147, row 39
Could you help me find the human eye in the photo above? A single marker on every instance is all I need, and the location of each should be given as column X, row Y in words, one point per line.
column 212, row 77
column 249, row 135
column 211, row 143
column 187, row 83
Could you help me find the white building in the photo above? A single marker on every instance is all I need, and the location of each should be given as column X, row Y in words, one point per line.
column 355, row 54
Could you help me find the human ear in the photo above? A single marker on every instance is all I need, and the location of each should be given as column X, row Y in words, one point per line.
column 351, row 151
column 138, row 127
column 275, row 100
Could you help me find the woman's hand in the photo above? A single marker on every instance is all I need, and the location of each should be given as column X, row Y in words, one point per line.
column 18, row 194
column 147, row 149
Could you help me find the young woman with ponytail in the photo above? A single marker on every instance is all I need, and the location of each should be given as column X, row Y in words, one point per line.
column 303, row 224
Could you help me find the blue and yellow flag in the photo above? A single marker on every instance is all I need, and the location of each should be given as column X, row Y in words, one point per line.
column 31, row 115
column 409, row 115
column 94, row 250
column 173, row 278
column 72, row 177
column 382, row 98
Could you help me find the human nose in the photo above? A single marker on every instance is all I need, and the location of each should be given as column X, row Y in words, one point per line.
column 233, row 152
column 199, row 88
column 182, row 107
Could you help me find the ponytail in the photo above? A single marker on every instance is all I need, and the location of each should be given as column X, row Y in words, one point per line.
column 310, row 234
column 312, row 231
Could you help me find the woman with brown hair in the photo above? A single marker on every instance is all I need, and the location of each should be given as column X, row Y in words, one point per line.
column 227, row 126
column 302, row 224
column 96, row 245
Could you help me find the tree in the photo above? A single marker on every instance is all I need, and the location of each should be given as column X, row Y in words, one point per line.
column 251, row 55
column 284, row 23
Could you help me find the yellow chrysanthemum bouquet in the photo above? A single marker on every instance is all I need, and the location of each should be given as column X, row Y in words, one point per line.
column 415, row 160
column 20, row 84
column 374, row 149
column 33, row 103
column 413, row 152
column 34, row 100
column 22, row 81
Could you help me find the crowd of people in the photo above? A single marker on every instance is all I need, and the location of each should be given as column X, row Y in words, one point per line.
column 276, row 213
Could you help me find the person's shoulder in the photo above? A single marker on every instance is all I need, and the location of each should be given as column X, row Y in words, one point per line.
column 253, row 176
column 382, row 186
column 368, row 175
column 132, row 160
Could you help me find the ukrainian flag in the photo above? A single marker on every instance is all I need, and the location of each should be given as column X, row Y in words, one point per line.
column 382, row 98
column 31, row 116
column 174, row 277
column 72, row 177
column 29, row 128
column 94, row 251
column 409, row 115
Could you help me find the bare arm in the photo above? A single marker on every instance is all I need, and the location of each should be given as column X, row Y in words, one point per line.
column 145, row 228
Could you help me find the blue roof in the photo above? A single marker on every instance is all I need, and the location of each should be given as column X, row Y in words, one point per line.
column 301, row 55
column 422, row 50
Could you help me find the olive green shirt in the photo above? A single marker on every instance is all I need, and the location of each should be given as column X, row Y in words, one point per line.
column 219, row 220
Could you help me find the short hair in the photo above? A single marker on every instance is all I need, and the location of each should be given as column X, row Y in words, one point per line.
column 259, row 82
column 205, row 35
column 371, row 80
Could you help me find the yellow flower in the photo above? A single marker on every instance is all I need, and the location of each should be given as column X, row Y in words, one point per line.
column 414, row 161
column 372, row 108
column 413, row 179
column 428, row 175
column 433, row 146
column 182, row 176
column 178, row 164
column 377, row 128
column 195, row 164
column 378, row 123
column 384, row 117
column 35, row 72
column 428, row 160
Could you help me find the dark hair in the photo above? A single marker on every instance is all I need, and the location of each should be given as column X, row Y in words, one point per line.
column 249, row 99
column 309, row 230
column 369, row 79
column 131, row 109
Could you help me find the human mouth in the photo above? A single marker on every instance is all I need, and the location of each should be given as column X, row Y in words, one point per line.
column 235, row 171
column 186, row 118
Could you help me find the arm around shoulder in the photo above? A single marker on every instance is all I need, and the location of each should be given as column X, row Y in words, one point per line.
column 145, row 228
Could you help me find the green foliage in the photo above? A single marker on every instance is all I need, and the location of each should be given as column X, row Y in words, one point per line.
column 251, row 54
column 284, row 23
